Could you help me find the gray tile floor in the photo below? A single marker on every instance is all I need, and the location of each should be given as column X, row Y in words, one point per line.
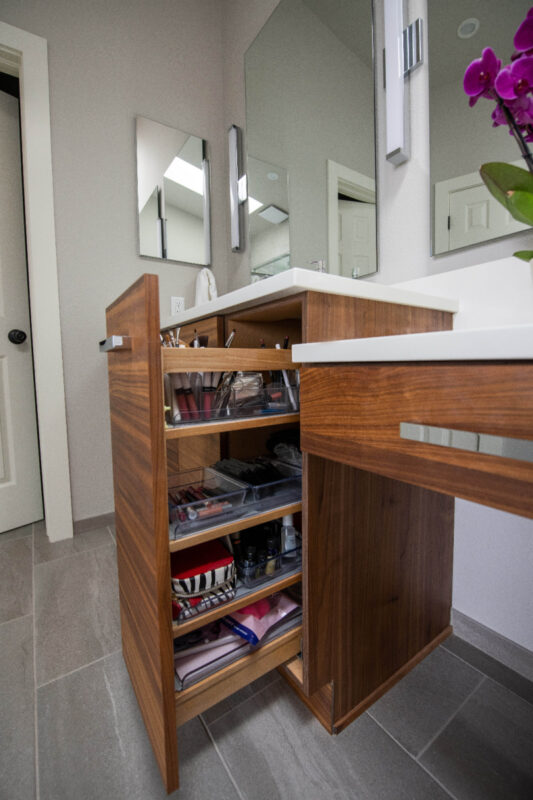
column 459, row 726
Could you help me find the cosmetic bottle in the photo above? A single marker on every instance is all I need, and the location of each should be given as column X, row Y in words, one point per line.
column 248, row 565
column 272, row 551
column 289, row 539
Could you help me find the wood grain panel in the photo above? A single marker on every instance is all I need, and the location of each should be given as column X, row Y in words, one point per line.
column 328, row 317
column 230, row 679
column 197, row 451
column 213, row 327
column 362, row 426
column 139, row 475
column 227, row 426
column 377, row 578
column 320, row 703
column 225, row 359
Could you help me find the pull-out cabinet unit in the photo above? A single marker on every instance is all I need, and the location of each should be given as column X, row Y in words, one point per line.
column 376, row 590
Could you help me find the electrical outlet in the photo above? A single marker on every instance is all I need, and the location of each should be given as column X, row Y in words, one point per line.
column 177, row 305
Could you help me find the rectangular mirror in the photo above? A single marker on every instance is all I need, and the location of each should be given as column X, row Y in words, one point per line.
column 463, row 212
column 310, row 139
column 172, row 194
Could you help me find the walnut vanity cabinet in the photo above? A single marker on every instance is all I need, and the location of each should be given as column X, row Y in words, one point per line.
column 366, row 575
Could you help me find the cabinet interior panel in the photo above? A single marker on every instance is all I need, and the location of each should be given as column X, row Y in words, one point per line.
column 385, row 575
column 328, row 317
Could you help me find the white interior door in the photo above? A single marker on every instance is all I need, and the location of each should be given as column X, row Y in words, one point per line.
column 357, row 238
column 20, row 480
column 466, row 213
column 476, row 216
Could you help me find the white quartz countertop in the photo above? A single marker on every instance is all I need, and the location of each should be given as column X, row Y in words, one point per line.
column 505, row 343
column 296, row 280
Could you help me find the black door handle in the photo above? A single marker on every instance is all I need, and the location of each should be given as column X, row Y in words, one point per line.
column 16, row 337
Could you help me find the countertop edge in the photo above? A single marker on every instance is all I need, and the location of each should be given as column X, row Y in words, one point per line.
column 297, row 280
column 513, row 342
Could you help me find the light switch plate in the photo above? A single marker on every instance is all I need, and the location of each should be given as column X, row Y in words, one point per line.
column 177, row 305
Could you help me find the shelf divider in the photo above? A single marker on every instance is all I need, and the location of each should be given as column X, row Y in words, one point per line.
column 241, row 524
column 227, row 425
column 266, row 589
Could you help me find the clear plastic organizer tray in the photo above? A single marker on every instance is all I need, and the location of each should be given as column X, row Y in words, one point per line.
column 269, row 568
column 202, row 498
column 226, row 498
column 197, row 405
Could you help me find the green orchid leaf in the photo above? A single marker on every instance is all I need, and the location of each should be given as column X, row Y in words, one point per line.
column 501, row 178
column 520, row 206
column 525, row 255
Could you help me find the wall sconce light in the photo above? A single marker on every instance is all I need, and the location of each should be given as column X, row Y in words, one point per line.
column 403, row 53
column 238, row 188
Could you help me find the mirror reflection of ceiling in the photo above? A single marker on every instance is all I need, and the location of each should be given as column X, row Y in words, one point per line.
column 462, row 138
column 309, row 100
column 170, row 188
column 180, row 196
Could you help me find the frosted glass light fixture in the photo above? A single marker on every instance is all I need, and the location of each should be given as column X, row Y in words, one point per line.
column 403, row 53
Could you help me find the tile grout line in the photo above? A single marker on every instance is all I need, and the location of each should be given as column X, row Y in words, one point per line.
column 77, row 669
column 221, row 757
column 35, row 701
column 413, row 758
column 76, row 553
column 13, row 619
column 442, row 728
column 495, row 680
column 245, row 700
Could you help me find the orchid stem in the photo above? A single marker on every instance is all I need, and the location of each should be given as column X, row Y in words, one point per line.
column 515, row 130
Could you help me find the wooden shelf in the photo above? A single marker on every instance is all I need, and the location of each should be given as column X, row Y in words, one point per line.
column 241, row 524
column 225, row 359
column 264, row 590
column 226, row 426
column 205, row 693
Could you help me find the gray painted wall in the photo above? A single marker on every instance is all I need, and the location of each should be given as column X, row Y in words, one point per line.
column 110, row 61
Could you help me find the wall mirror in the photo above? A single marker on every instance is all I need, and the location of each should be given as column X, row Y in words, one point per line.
column 463, row 213
column 310, row 139
column 172, row 194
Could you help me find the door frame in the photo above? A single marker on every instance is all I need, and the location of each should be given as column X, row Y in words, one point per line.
column 26, row 55
column 352, row 184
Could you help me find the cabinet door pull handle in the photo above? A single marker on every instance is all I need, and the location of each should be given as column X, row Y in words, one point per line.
column 115, row 343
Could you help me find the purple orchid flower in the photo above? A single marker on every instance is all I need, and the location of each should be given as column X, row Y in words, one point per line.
column 480, row 76
column 521, row 109
column 516, row 79
column 523, row 38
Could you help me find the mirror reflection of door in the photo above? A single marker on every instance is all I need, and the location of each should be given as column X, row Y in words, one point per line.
column 173, row 194
column 309, row 78
column 20, row 477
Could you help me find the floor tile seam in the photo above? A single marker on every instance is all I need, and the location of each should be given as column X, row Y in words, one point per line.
column 221, row 757
column 242, row 702
column 450, row 719
column 34, row 649
column 110, row 532
column 14, row 619
column 414, row 759
column 77, row 553
column 78, row 669
column 14, row 539
column 495, row 680
column 464, row 660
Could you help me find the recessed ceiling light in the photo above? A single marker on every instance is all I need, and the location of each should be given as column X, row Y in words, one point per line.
column 273, row 214
column 468, row 28
column 272, row 176
column 186, row 175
